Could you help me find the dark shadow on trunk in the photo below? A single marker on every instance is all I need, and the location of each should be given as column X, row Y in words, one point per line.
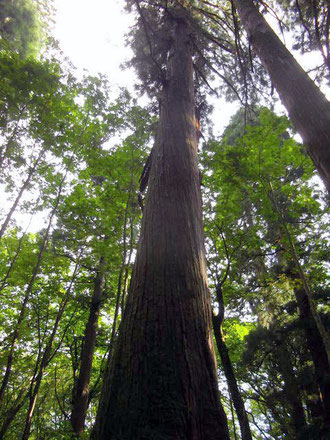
column 163, row 382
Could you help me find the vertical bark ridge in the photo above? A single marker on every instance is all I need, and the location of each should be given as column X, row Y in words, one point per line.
column 163, row 375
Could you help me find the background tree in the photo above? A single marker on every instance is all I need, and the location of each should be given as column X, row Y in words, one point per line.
column 260, row 275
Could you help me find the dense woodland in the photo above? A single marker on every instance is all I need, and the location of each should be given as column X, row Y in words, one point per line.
column 178, row 284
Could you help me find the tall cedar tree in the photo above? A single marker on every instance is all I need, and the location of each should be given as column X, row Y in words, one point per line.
column 308, row 108
column 163, row 382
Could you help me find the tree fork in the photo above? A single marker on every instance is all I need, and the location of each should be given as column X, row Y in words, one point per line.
column 163, row 382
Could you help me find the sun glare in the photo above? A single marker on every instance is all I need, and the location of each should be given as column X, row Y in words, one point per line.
column 92, row 35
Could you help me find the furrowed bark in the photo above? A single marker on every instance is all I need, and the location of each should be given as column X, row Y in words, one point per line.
column 308, row 108
column 163, row 382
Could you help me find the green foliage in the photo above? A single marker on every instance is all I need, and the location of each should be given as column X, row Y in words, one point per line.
column 236, row 332
column 70, row 160
column 60, row 162
column 308, row 22
column 252, row 170
column 22, row 26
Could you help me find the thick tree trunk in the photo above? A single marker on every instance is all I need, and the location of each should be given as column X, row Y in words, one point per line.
column 308, row 108
column 80, row 402
column 163, row 382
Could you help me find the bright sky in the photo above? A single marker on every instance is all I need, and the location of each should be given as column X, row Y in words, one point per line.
column 92, row 35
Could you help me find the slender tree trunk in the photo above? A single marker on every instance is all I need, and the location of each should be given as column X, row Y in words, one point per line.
column 314, row 332
column 228, row 369
column 12, row 263
column 233, row 417
column 308, row 108
column 12, row 411
column 324, row 336
column 119, row 297
column 128, row 264
column 106, row 376
column 80, row 400
column 163, row 382
column 16, row 333
column 47, row 355
column 10, row 415
column 317, row 351
column 5, row 149
column 291, row 390
column 20, row 193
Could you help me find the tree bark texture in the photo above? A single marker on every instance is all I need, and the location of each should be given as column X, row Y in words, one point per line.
column 308, row 108
column 163, row 382
column 80, row 401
